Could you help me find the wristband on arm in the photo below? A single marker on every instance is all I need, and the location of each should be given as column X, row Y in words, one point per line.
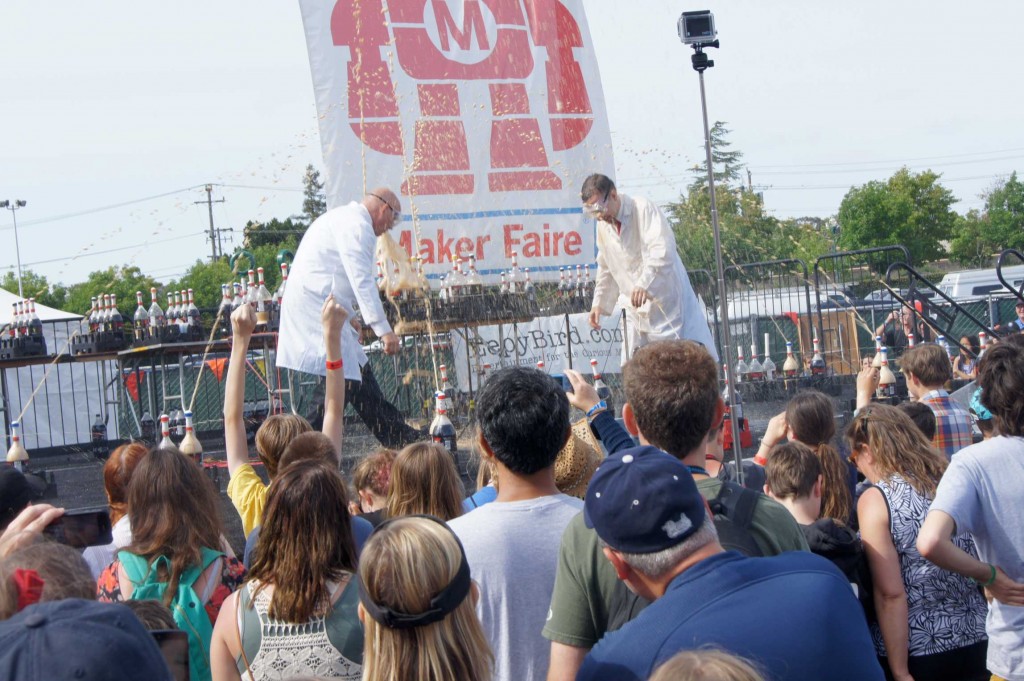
column 333, row 366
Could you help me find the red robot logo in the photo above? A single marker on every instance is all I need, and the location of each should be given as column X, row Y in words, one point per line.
column 441, row 44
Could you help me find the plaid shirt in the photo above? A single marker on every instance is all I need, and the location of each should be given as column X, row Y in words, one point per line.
column 952, row 423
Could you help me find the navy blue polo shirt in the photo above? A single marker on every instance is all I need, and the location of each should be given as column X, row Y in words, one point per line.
column 794, row 615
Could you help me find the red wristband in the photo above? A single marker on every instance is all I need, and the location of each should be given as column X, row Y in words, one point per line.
column 331, row 366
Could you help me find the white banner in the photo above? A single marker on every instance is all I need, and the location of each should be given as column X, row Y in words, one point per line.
column 547, row 339
column 486, row 116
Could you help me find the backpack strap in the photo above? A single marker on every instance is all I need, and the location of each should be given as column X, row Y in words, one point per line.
column 736, row 503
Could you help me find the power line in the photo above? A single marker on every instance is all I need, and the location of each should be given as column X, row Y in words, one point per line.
column 90, row 211
column 111, row 250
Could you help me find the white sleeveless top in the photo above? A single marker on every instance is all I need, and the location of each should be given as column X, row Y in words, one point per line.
column 287, row 650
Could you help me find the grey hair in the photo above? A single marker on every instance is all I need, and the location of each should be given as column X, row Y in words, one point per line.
column 657, row 564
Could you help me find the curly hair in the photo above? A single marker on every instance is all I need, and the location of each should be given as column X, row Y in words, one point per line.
column 898, row 447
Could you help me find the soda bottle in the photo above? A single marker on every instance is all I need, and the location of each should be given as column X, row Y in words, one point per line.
column 17, row 454
column 515, row 276
column 99, row 438
column 178, row 424
column 189, row 445
column 768, row 364
column 192, row 312
column 263, row 300
column 165, row 430
column 982, row 344
column 279, row 293
column 141, row 318
column 941, row 340
column 741, row 368
column 886, row 379
column 147, row 428
column 528, row 287
column 790, row 368
column 446, row 387
column 603, row 391
column 157, row 318
column 116, row 321
column 818, row 367
column 442, row 431
column 93, row 318
column 876, row 361
column 755, row 371
column 35, row 325
column 237, row 301
column 224, row 311
column 251, row 289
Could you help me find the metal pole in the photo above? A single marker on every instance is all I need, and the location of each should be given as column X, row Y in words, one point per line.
column 213, row 234
column 13, row 206
column 726, row 335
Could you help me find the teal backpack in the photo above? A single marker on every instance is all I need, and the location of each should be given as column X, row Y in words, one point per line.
column 187, row 608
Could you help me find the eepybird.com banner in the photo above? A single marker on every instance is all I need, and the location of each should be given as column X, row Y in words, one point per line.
column 484, row 115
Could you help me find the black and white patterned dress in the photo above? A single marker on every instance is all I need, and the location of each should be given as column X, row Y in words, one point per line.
column 946, row 611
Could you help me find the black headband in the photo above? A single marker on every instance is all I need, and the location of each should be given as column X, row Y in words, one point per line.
column 443, row 603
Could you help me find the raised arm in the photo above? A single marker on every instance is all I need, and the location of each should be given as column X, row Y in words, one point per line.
column 333, row 317
column 243, row 321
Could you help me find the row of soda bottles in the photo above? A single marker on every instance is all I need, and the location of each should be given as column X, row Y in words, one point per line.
column 24, row 320
column 442, row 430
column 757, row 371
column 181, row 307
column 469, row 282
column 176, row 429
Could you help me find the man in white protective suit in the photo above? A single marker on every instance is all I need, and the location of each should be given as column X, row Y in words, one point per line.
column 336, row 256
column 639, row 268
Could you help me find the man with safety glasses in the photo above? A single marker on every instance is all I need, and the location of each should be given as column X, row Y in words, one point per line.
column 638, row 268
column 337, row 255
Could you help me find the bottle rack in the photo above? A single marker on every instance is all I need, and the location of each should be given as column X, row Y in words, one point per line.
column 22, row 346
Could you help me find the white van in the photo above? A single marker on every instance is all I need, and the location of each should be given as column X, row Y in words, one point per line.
column 980, row 284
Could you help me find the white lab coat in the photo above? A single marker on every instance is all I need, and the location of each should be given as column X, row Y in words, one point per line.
column 644, row 255
column 335, row 256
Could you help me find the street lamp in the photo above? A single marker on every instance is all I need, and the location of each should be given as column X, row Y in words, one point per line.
column 13, row 206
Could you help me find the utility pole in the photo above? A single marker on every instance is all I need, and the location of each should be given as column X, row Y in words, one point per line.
column 213, row 231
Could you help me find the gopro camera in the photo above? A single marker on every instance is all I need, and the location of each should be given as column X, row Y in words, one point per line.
column 697, row 28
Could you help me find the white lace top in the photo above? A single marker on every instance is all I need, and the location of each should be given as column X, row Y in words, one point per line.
column 281, row 650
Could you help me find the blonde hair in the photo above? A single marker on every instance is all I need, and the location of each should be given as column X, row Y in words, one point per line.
column 274, row 435
column 898, row 447
column 706, row 665
column 424, row 480
column 404, row 564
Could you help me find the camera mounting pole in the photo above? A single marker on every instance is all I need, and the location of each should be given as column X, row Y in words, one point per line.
column 701, row 63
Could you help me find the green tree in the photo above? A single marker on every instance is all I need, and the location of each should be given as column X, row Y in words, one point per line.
column 911, row 209
column 314, row 202
column 274, row 233
column 205, row 279
column 979, row 236
column 121, row 281
column 35, row 286
column 747, row 233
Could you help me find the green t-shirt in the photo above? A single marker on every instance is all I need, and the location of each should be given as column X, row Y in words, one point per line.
column 587, row 590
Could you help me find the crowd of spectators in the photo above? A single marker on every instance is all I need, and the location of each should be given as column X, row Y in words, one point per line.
column 665, row 569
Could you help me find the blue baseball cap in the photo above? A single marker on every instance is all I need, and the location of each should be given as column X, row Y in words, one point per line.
column 642, row 500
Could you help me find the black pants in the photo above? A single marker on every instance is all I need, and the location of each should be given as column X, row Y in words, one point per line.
column 382, row 418
column 962, row 664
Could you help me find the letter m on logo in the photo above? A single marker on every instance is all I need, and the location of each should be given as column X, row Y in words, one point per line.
column 472, row 23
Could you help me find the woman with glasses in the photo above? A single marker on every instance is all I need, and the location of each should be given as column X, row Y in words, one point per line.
column 931, row 623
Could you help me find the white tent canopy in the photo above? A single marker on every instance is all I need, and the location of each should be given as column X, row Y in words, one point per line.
column 46, row 314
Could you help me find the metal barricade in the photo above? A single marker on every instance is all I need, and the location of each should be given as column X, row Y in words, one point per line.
column 853, row 301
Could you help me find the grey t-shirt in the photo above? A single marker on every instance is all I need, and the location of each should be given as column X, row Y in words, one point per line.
column 512, row 548
column 981, row 491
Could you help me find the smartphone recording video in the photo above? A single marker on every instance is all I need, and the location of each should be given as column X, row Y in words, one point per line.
column 81, row 528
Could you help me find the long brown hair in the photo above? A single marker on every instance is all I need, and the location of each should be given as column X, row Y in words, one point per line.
column 404, row 565
column 305, row 541
column 424, row 480
column 174, row 511
column 898, row 447
column 811, row 415
column 117, row 473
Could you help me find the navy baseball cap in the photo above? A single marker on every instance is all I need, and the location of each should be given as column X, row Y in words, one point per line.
column 78, row 639
column 642, row 500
